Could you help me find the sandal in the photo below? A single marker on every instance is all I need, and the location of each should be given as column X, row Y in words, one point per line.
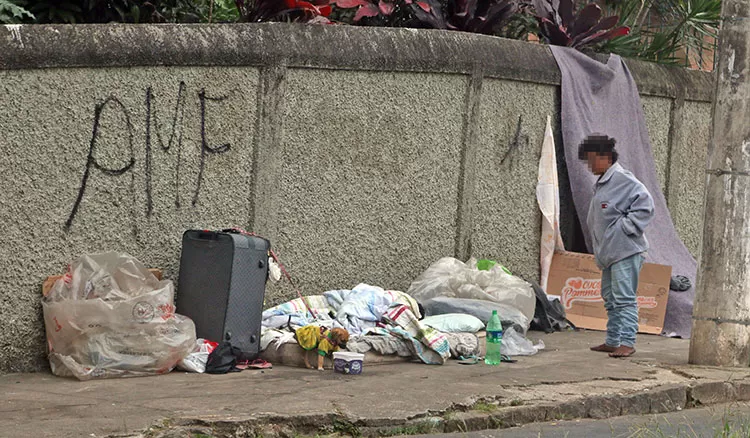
column 507, row 359
column 471, row 360
column 260, row 364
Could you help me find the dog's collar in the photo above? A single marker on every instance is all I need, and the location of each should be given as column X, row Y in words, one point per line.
column 329, row 336
column 332, row 341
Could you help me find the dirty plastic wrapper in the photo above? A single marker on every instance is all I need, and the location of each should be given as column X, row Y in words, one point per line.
column 110, row 317
column 274, row 270
column 196, row 361
column 451, row 278
column 514, row 344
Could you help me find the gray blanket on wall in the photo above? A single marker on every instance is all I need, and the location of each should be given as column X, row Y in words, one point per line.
column 604, row 98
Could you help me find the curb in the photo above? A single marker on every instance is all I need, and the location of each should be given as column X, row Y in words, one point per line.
column 479, row 415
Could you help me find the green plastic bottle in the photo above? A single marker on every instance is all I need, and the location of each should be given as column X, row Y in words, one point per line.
column 494, row 340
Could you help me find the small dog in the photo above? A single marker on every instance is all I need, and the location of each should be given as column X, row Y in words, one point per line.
column 312, row 337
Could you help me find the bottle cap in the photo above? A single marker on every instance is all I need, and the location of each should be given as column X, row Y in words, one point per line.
column 494, row 312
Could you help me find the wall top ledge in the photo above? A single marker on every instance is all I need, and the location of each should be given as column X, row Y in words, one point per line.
column 313, row 46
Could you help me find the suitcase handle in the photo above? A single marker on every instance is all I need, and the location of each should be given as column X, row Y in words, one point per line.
column 203, row 235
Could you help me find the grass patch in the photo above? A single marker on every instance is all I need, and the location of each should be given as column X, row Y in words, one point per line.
column 497, row 424
column 733, row 427
column 728, row 425
column 346, row 428
column 485, row 407
column 516, row 402
column 412, row 429
column 450, row 416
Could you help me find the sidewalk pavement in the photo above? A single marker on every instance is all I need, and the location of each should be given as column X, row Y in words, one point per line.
column 565, row 380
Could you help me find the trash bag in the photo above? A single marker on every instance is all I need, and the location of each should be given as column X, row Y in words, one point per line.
column 549, row 315
column 223, row 359
column 514, row 344
column 452, row 278
column 195, row 362
column 110, row 317
column 509, row 315
column 679, row 283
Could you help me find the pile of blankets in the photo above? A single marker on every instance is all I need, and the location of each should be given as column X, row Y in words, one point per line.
column 385, row 321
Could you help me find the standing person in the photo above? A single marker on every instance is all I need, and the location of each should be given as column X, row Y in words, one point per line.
column 618, row 215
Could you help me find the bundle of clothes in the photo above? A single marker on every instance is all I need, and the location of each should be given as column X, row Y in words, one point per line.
column 385, row 321
column 459, row 297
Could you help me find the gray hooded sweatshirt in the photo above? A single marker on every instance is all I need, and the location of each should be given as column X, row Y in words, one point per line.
column 618, row 215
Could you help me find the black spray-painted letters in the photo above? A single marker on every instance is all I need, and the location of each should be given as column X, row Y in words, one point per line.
column 174, row 143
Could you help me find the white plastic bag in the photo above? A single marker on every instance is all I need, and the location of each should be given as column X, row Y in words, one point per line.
column 110, row 317
column 274, row 270
column 196, row 361
column 452, row 278
column 514, row 344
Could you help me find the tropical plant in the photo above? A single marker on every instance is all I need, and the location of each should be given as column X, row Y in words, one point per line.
column 125, row 11
column 386, row 13
column 315, row 11
column 221, row 11
column 478, row 16
column 560, row 25
column 92, row 11
column 523, row 23
column 206, row 11
column 684, row 26
column 11, row 13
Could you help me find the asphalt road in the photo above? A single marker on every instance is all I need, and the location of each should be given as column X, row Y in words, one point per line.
column 724, row 421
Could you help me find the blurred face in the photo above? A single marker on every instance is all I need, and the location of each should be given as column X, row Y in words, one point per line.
column 599, row 163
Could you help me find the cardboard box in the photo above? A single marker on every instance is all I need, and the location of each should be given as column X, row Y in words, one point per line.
column 576, row 279
column 49, row 283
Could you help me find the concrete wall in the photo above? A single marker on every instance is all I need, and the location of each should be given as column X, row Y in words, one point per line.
column 363, row 154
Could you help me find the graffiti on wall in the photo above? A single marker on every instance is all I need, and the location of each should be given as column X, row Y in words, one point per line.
column 152, row 125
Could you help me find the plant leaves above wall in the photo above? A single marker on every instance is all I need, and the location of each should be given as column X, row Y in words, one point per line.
column 560, row 25
column 284, row 10
column 477, row 16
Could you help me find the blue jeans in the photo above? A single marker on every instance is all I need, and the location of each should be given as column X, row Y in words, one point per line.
column 619, row 285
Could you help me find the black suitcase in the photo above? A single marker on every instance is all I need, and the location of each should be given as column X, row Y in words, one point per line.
column 222, row 286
